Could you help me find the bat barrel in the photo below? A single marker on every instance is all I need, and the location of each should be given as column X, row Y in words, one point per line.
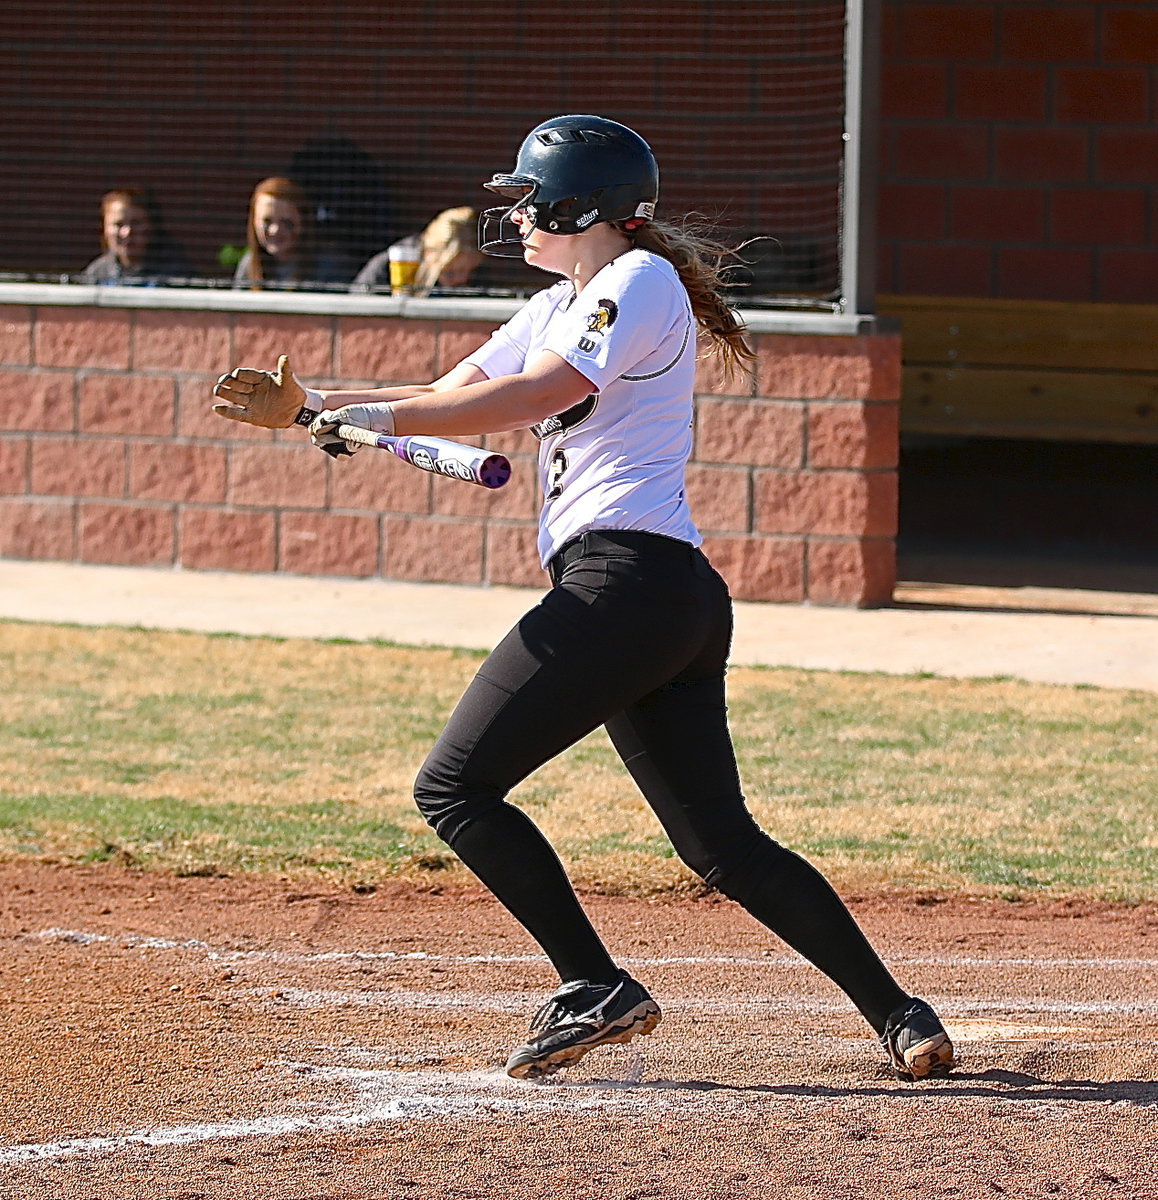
column 471, row 464
column 468, row 463
column 494, row 470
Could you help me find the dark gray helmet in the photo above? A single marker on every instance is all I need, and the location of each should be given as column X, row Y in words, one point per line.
column 571, row 173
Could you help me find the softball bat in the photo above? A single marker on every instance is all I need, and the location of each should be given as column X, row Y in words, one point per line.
column 468, row 463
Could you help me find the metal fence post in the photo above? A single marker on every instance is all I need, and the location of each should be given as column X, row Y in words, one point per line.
column 862, row 76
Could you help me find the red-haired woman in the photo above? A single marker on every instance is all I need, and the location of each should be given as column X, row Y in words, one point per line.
column 135, row 246
column 281, row 242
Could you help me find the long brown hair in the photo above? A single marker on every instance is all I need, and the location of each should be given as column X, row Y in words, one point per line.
column 702, row 263
column 293, row 193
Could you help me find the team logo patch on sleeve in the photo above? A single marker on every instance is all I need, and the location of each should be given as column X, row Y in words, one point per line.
column 603, row 317
column 599, row 322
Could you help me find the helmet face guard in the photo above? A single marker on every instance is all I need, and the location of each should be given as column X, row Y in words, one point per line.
column 572, row 172
column 498, row 234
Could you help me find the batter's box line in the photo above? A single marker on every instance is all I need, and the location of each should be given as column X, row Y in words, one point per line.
column 225, row 954
column 991, row 1007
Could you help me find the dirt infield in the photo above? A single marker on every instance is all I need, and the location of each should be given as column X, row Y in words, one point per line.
column 196, row 1039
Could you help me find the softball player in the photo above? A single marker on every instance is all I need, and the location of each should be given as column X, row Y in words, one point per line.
column 635, row 633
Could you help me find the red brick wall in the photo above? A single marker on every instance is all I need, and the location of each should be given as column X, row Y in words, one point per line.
column 109, row 453
column 1019, row 155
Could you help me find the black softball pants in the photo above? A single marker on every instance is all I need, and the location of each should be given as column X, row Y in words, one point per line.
column 634, row 635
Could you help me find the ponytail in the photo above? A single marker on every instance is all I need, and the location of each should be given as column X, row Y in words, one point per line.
column 702, row 264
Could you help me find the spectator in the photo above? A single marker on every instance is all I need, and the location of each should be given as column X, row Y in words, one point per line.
column 137, row 250
column 449, row 254
column 281, row 242
column 347, row 196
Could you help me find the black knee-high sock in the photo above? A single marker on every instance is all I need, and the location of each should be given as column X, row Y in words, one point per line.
column 505, row 849
column 791, row 897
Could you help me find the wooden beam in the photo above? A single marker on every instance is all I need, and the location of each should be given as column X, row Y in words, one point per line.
column 1023, row 333
column 1062, row 405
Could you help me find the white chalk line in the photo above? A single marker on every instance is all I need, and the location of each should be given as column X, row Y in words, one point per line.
column 220, row 954
column 382, row 1095
column 513, row 1002
column 770, row 1004
column 385, row 1095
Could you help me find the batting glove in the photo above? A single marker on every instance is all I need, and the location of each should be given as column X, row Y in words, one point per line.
column 271, row 399
column 378, row 418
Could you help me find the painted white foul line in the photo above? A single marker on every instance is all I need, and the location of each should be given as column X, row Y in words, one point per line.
column 220, row 954
column 381, row 1096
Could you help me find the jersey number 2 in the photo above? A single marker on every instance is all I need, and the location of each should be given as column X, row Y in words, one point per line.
column 555, row 473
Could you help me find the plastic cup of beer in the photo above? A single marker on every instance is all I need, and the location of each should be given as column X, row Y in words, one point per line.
column 404, row 260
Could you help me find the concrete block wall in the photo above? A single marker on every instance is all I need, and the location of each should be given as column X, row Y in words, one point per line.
column 110, row 453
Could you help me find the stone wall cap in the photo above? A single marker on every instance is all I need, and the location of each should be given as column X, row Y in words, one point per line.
column 488, row 309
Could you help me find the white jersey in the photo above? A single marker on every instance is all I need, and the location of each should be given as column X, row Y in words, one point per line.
column 616, row 460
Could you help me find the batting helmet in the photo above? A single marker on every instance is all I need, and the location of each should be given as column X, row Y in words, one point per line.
column 571, row 173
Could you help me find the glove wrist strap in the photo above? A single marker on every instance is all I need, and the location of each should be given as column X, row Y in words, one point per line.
column 313, row 405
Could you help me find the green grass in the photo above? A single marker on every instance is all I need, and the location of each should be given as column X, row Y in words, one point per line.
column 206, row 755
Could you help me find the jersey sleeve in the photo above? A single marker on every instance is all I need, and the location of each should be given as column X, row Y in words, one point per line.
column 623, row 324
column 507, row 349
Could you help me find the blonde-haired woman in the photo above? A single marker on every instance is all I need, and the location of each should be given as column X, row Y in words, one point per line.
column 446, row 251
column 635, row 633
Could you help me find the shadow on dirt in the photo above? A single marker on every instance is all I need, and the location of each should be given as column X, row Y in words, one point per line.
column 992, row 1084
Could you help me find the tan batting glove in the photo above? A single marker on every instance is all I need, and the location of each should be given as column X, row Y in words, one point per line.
column 269, row 399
